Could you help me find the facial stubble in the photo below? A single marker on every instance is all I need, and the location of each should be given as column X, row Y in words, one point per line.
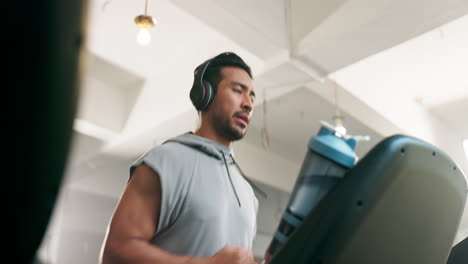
column 224, row 125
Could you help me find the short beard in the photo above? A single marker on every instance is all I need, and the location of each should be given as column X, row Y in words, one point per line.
column 226, row 130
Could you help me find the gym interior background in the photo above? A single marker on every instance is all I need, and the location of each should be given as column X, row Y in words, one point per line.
column 387, row 67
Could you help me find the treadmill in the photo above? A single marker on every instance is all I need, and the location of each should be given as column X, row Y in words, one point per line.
column 402, row 203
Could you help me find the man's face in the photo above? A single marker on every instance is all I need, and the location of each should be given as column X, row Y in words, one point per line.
column 232, row 104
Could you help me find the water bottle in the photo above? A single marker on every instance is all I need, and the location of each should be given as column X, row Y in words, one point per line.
column 329, row 156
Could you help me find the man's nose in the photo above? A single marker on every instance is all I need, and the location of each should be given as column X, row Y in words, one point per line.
column 247, row 104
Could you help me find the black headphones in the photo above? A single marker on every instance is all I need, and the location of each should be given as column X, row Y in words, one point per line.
column 202, row 92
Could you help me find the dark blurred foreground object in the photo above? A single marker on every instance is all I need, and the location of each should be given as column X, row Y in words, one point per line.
column 41, row 49
column 402, row 203
column 459, row 253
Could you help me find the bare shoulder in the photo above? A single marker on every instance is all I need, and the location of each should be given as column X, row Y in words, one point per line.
column 144, row 179
column 139, row 206
column 137, row 213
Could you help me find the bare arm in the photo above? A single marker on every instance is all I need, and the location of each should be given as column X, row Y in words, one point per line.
column 135, row 222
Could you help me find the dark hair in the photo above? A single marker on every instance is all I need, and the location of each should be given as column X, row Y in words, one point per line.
column 213, row 72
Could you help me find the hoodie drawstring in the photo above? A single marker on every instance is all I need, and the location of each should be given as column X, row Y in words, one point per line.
column 254, row 186
column 230, row 180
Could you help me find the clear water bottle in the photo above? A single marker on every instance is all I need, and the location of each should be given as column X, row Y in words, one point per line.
column 329, row 156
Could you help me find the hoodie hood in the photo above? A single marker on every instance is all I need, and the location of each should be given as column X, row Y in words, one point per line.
column 207, row 146
column 218, row 151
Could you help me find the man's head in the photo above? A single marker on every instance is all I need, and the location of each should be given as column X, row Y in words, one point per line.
column 223, row 92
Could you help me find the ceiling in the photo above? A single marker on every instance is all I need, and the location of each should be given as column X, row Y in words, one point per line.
column 389, row 66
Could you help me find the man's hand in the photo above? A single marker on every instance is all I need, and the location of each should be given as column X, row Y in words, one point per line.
column 233, row 255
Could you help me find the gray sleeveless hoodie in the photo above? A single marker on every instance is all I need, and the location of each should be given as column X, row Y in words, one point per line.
column 206, row 203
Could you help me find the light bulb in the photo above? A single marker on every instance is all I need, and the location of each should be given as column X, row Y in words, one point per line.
column 144, row 37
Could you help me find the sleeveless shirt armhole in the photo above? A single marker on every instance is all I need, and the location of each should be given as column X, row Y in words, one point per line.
column 165, row 161
column 155, row 160
column 163, row 211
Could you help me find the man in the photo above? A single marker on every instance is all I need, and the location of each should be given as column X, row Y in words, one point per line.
column 186, row 200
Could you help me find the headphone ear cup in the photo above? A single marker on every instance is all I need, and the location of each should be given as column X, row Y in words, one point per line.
column 202, row 92
column 196, row 94
column 207, row 95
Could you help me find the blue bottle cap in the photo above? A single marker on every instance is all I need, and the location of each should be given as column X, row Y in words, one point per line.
column 335, row 148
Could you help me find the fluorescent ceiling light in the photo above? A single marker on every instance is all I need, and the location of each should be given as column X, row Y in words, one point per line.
column 465, row 146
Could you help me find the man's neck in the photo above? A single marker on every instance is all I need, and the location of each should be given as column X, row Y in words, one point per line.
column 212, row 135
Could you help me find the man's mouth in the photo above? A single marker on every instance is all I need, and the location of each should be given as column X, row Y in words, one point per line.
column 242, row 118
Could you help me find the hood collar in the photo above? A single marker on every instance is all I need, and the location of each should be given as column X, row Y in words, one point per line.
column 218, row 151
column 205, row 145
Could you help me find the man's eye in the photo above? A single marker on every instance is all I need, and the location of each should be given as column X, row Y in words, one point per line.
column 237, row 90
